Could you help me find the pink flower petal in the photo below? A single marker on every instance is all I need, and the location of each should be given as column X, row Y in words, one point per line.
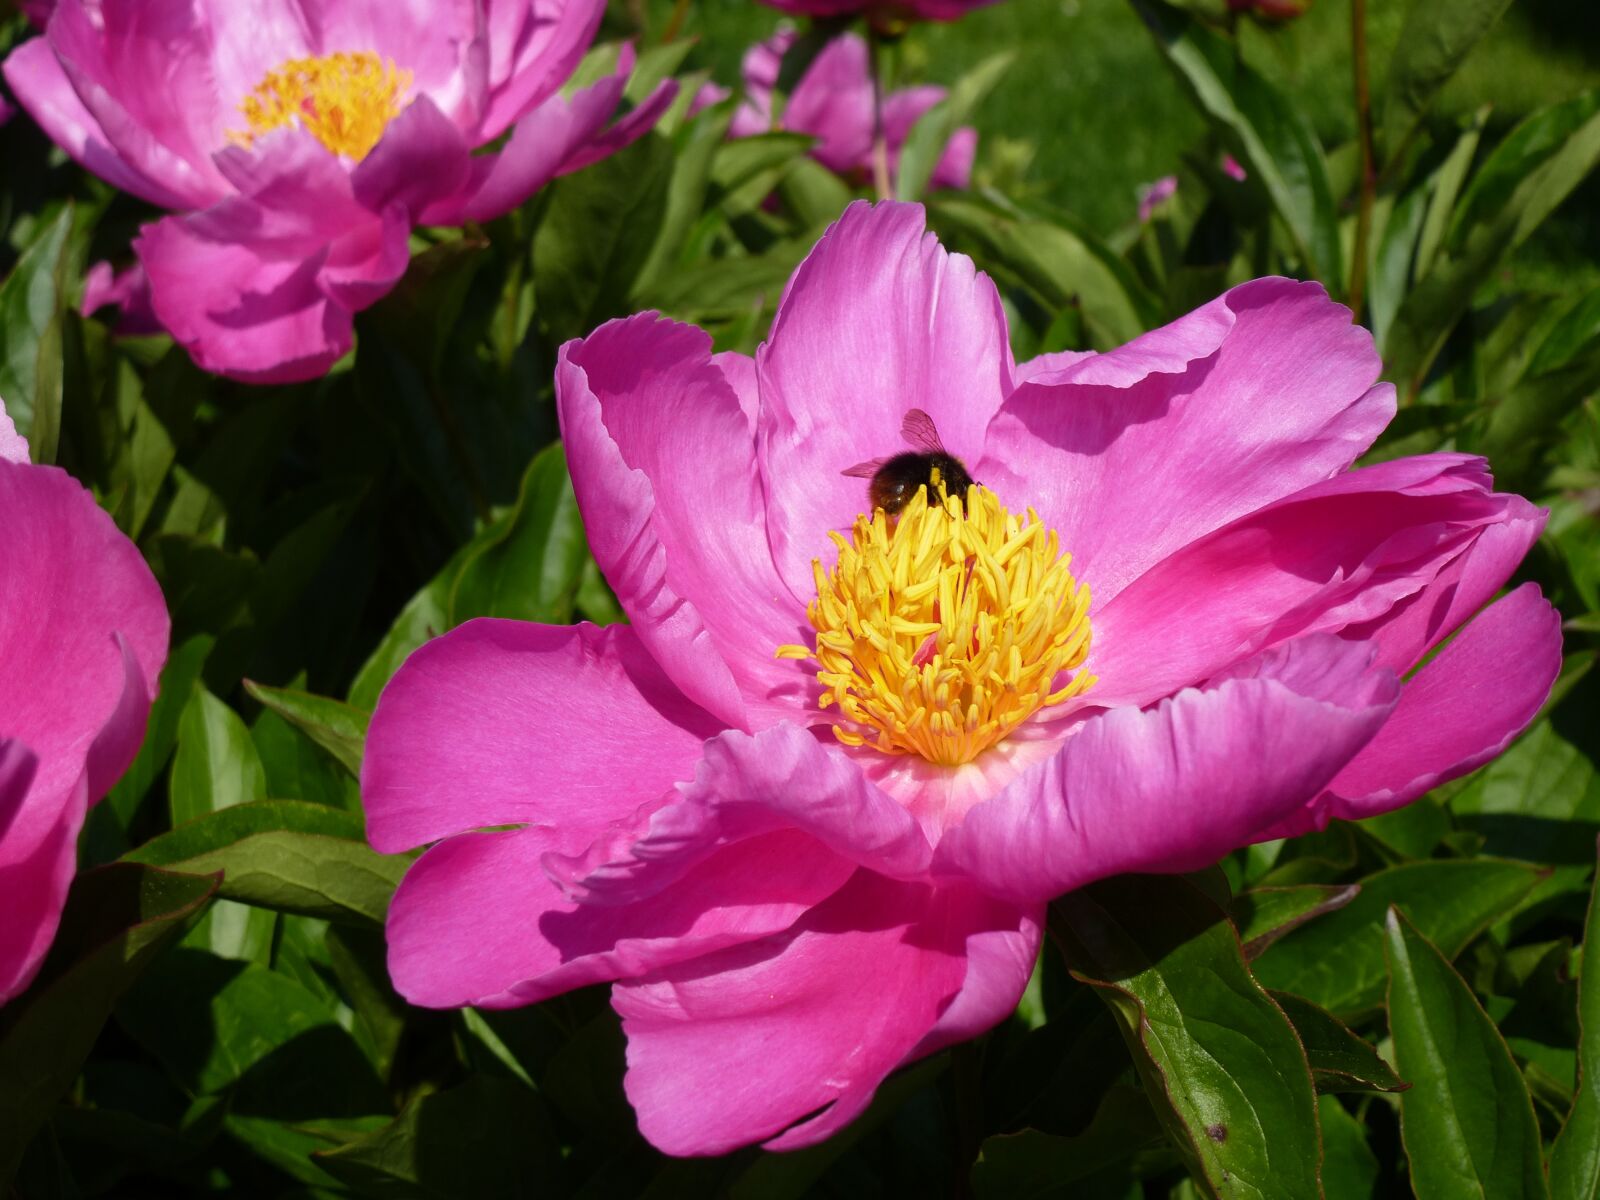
column 432, row 39
column 878, row 320
column 447, row 948
column 1136, row 453
column 534, row 47
column 420, row 159
column 128, row 290
column 13, row 446
column 1177, row 786
column 83, row 636
column 747, row 786
column 627, row 130
column 237, row 312
column 248, row 41
column 663, row 462
column 832, row 102
column 739, row 1045
column 144, row 69
column 1339, row 555
column 1460, row 710
column 35, row 75
column 506, row 722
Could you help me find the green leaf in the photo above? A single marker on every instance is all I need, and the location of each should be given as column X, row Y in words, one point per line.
column 1349, row 1168
column 33, row 306
column 1030, row 1164
column 1539, row 801
column 1260, row 126
column 1575, row 1158
column 1446, row 187
column 1467, row 1121
column 697, row 144
column 597, row 233
column 530, row 569
column 1219, row 1057
column 161, row 731
column 216, row 765
column 340, row 729
column 1537, row 167
column 1337, row 962
column 286, row 855
column 1434, row 40
column 224, row 1025
column 1263, row 915
column 1340, row 1060
column 488, row 1137
column 116, row 920
column 1056, row 258
column 925, row 144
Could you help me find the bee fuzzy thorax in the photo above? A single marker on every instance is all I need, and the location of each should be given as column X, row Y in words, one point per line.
column 941, row 629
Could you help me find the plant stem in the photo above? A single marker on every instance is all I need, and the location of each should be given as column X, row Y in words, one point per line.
column 880, row 144
column 1369, row 176
column 680, row 12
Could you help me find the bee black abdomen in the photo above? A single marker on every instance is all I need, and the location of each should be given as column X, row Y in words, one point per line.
column 897, row 480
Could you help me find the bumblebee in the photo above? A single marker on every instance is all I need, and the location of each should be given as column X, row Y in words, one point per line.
column 895, row 479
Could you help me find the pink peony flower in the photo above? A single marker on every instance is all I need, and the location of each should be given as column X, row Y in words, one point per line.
column 301, row 140
column 83, row 636
column 832, row 102
column 1271, row 10
column 884, row 13
column 807, row 808
column 1152, row 196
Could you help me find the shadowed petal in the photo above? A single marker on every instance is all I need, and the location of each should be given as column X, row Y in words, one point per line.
column 1176, row 786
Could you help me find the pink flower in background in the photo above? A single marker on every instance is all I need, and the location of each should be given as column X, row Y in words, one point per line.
column 83, row 636
column 832, row 102
column 807, row 807
column 301, row 140
column 1272, row 10
column 888, row 13
column 1153, row 196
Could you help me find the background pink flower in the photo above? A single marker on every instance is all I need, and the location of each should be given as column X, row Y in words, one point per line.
column 787, row 915
column 83, row 637
column 883, row 12
column 303, row 139
column 832, row 102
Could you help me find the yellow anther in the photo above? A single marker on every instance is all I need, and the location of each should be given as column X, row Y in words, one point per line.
column 343, row 100
column 941, row 634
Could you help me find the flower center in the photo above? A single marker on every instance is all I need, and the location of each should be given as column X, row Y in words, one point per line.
column 343, row 100
column 939, row 632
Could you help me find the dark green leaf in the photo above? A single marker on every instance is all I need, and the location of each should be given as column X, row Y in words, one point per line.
column 597, row 233
column 1031, row 1165
column 161, row 731
column 1263, row 915
column 1434, row 40
column 1233, row 1084
column 1575, row 1158
column 33, row 305
column 1349, row 1168
column 529, row 570
column 116, row 919
column 1539, row 801
column 1337, row 961
column 691, row 173
column 487, row 1137
column 1340, row 1060
column 1261, row 127
column 340, row 729
column 1467, row 1120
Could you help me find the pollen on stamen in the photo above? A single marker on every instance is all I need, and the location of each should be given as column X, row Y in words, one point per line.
column 344, row 100
column 938, row 633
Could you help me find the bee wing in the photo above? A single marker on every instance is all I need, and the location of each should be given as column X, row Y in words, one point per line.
column 865, row 470
column 918, row 429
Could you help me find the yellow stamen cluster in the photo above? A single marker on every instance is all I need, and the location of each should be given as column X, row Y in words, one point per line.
column 942, row 630
column 344, row 100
